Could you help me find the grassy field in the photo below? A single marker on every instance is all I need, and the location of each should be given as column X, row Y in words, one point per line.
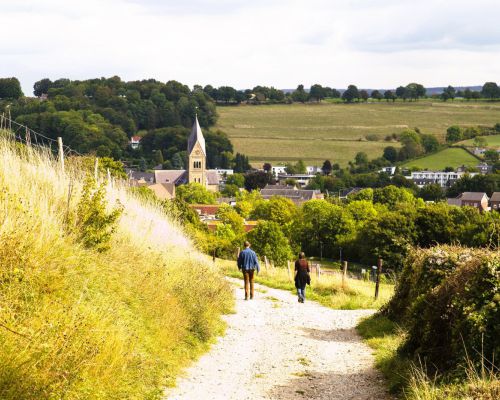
column 452, row 157
column 492, row 141
column 315, row 132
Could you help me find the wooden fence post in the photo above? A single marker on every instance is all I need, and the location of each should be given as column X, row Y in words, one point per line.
column 266, row 262
column 377, row 282
column 96, row 170
column 61, row 152
column 344, row 274
column 28, row 137
column 288, row 267
column 318, row 271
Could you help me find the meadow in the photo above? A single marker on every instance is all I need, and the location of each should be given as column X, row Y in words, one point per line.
column 491, row 141
column 315, row 132
column 451, row 157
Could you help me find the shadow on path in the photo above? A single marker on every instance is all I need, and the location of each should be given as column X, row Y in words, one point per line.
column 307, row 384
column 335, row 335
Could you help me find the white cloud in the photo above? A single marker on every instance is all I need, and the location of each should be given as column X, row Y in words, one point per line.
column 372, row 43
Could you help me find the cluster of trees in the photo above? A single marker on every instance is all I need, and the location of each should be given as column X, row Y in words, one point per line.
column 382, row 222
column 100, row 115
column 456, row 133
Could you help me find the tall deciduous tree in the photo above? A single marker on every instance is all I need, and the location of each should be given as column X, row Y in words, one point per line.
column 490, row 90
column 10, row 88
column 350, row 94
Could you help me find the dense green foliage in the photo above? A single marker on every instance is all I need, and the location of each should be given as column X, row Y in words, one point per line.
column 448, row 299
column 100, row 115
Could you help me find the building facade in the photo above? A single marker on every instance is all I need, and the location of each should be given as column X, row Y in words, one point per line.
column 443, row 179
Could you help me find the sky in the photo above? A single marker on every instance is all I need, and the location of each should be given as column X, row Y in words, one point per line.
column 244, row 43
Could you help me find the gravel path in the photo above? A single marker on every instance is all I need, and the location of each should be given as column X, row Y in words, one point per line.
column 276, row 348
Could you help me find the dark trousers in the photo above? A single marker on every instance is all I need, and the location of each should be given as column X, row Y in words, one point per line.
column 248, row 277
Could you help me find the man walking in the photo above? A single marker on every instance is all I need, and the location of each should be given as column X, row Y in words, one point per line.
column 248, row 263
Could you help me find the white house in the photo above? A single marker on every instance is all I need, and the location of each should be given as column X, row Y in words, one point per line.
column 444, row 179
column 313, row 170
column 277, row 170
column 388, row 170
column 134, row 142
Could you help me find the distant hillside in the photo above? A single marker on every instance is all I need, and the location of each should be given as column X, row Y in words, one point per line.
column 316, row 132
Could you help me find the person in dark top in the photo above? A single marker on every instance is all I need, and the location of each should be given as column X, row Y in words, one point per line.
column 248, row 263
column 302, row 277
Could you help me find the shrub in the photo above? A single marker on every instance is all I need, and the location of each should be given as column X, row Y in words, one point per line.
column 94, row 224
column 449, row 300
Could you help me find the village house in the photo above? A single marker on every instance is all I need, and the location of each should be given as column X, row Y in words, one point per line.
column 298, row 196
column 301, row 179
column 495, row 201
column 443, row 179
column 278, row 170
column 477, row 200
column 135, row 142
column 388, row 170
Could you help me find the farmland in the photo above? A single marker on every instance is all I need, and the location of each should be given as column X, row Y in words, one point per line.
column 315, row 132
column 492, row 141
column 451, row 157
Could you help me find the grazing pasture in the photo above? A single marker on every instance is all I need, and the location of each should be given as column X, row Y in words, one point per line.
column 492, row 141
column 451, row 157
column 314, row 132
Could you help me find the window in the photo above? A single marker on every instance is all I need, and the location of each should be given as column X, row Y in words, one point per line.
column 197, row 164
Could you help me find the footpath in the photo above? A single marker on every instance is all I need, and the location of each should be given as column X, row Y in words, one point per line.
column 277, row 348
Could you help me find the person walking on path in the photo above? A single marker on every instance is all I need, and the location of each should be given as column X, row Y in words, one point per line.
column 248, row 263
column 302, row 277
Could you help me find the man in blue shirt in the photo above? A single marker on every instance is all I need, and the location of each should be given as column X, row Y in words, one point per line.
column 248, row 263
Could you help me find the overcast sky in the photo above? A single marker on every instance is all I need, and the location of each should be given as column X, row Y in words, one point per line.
column 243, row 43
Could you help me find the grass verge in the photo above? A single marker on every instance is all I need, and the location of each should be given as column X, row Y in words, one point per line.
column 411, row 381
column 327, row 290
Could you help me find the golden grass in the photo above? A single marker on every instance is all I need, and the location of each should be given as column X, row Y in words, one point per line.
column 79, row 324
column 314, row 132
column 327, row 290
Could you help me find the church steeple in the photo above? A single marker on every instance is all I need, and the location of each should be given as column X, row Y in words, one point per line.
column 197, row 155
column 196, row 136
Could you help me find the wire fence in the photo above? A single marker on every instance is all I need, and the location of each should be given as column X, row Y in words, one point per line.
column 24, row 134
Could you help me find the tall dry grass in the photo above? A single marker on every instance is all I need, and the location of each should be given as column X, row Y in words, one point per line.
column 78, row 324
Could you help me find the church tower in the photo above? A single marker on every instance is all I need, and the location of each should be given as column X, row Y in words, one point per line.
column 197, row 155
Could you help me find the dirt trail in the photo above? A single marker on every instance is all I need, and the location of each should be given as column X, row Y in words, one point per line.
column 276, row 348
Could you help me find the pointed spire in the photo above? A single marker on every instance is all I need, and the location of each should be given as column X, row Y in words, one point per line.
column 196, row 136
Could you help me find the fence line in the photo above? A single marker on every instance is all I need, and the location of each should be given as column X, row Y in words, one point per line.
column 31, row 137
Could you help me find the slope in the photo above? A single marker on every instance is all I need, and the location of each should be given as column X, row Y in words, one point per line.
column 77, row 322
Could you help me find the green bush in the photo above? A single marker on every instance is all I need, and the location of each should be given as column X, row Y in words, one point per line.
column 448, row 298
column 94, row 223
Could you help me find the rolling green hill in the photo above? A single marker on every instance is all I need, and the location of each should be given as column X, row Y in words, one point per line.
column 314, row 132
column 451, row 157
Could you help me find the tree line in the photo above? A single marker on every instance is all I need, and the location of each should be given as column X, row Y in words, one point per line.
column 384, row 221
column 100, row 116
